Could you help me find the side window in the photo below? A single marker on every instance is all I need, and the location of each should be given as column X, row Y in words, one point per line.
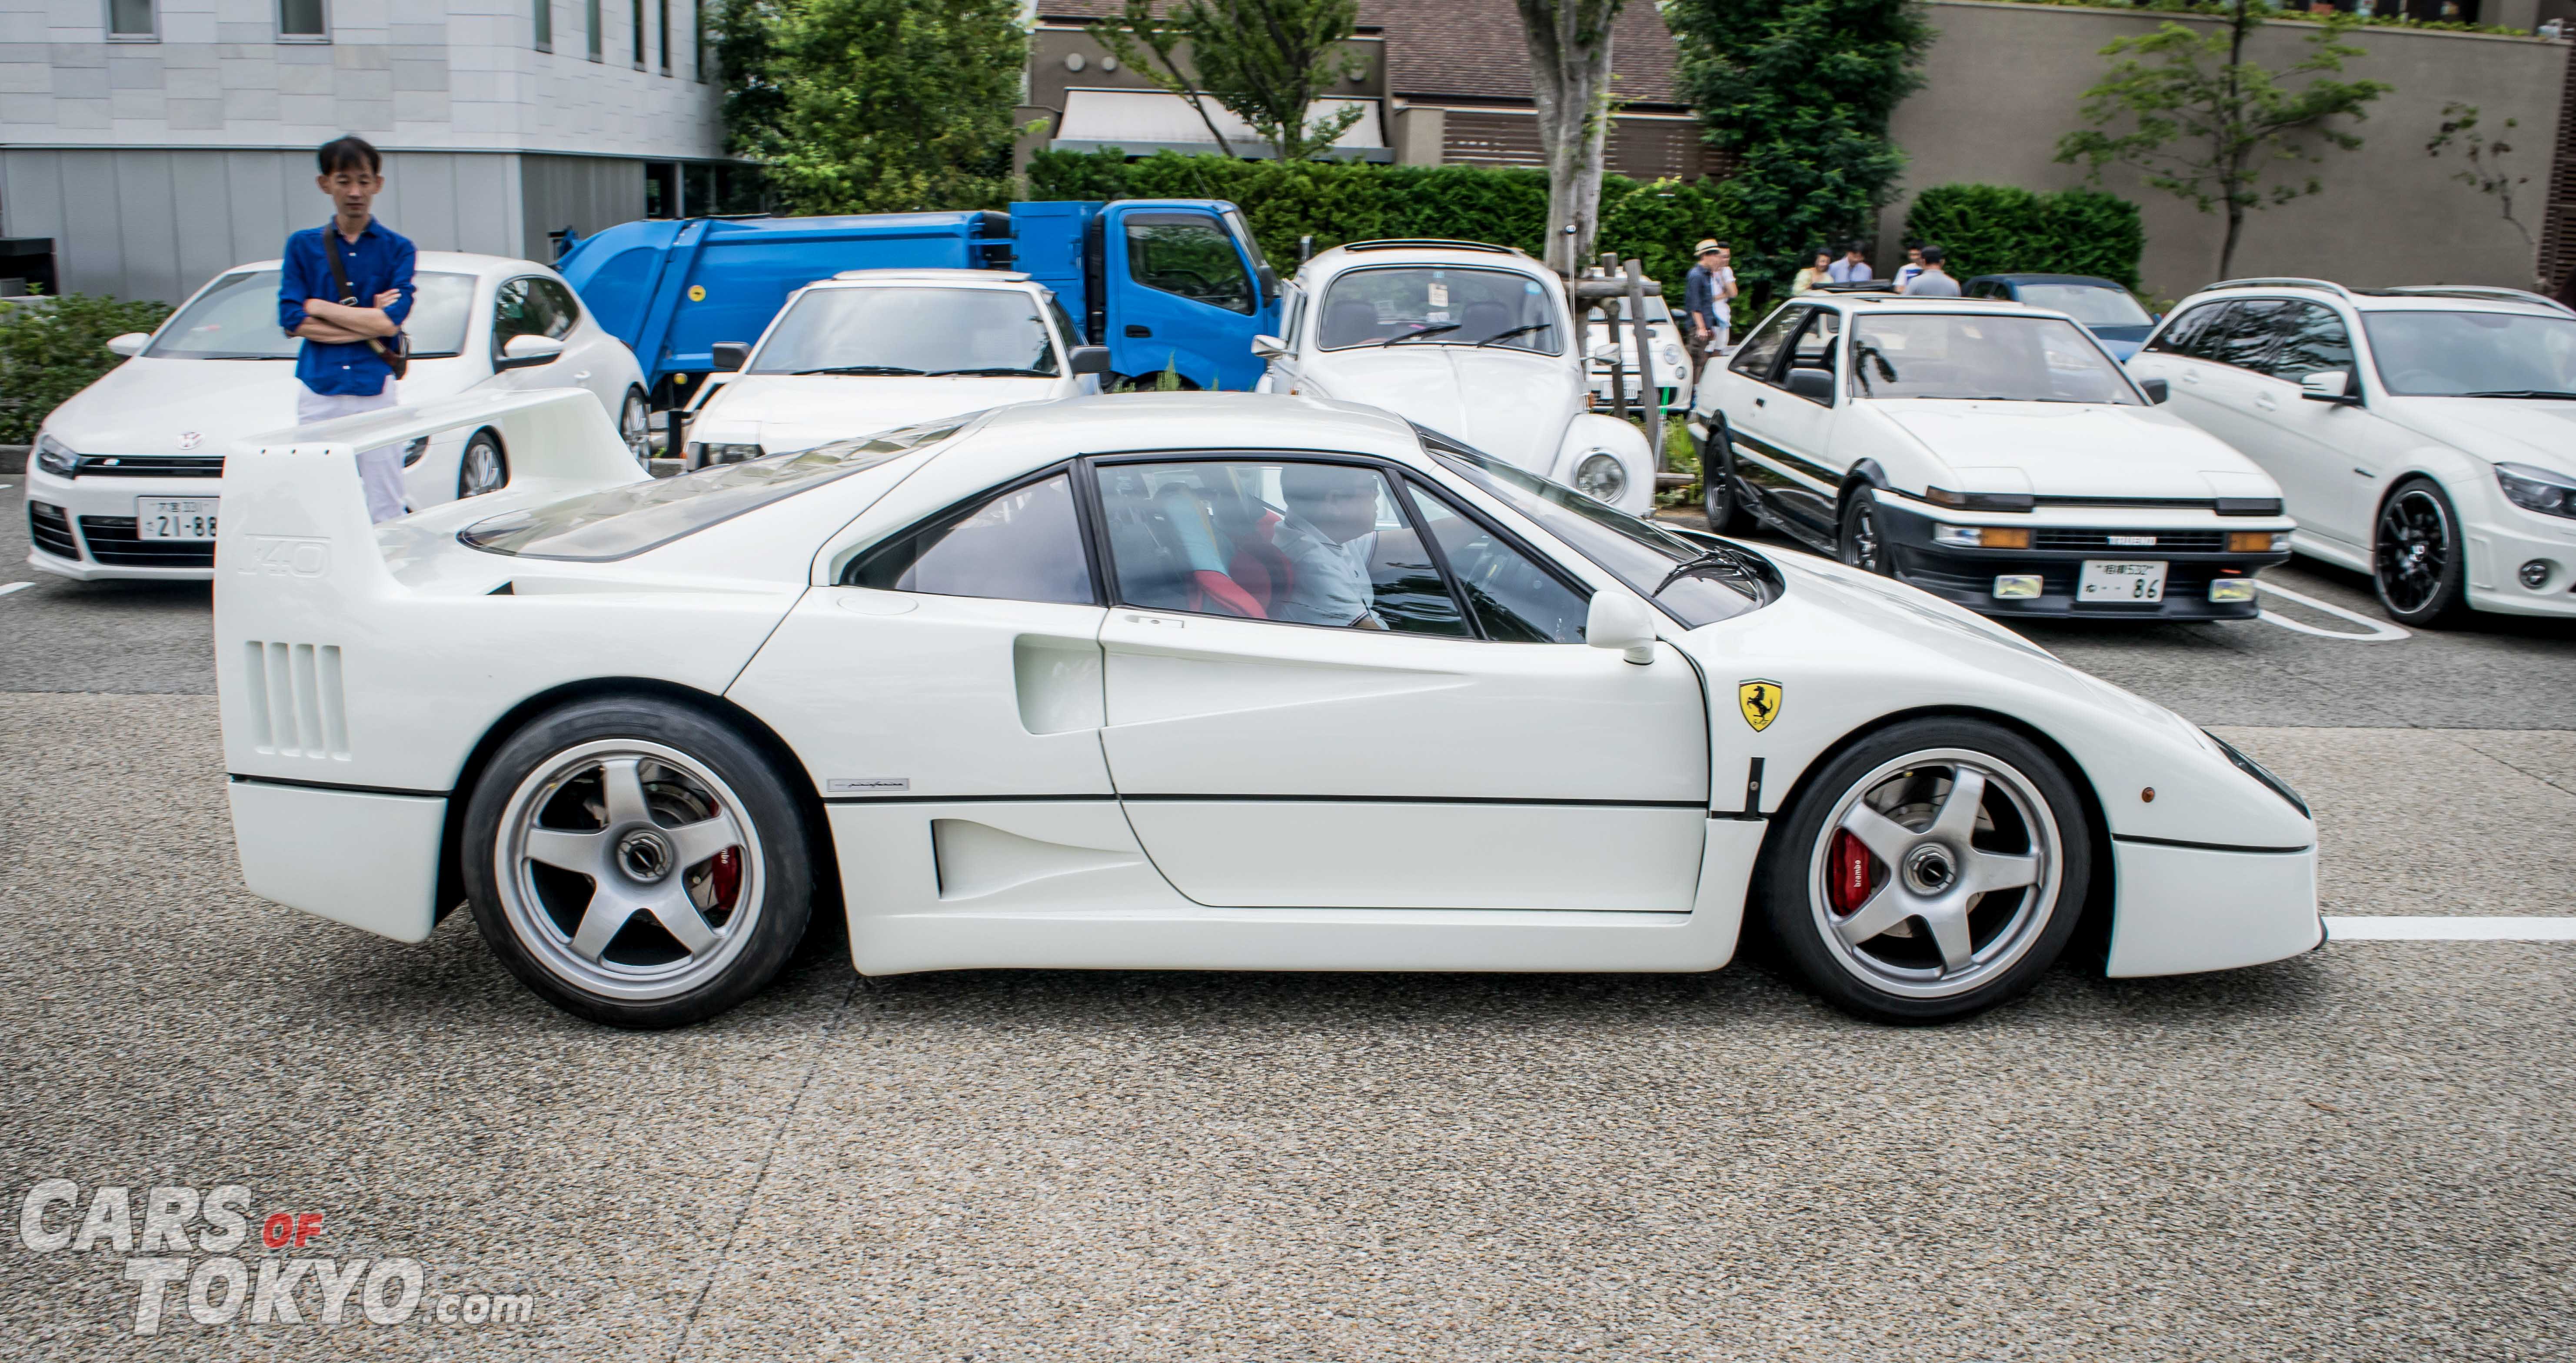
column 561, row 309
column 1761, row 352
column 1309, row 544
column 2183, row 336
column 2246, row 336
column 1191, row 256
column 1292, row 316
column 1064, row 320
column 528, row 306
column 1814, row 348
column 2313, row 339
column 1021, row 545
column 1514, row 599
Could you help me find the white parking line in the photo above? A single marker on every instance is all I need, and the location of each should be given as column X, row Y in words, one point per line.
column 8, row 587
column 2431, row 928
column 2381, row 632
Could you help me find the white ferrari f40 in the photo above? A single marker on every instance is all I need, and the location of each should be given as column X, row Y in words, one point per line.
column 1176, row 681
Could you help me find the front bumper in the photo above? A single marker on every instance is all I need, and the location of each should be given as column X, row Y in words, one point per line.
column 83, row 528
column 1967, row 576
column 2182, row 909
column 2500, row 546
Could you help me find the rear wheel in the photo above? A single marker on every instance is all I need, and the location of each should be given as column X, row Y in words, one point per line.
column 637, row 863
column 635, row 425
column 1933, row 870
column 1723, row 500
column 2416, row 559
column 1860, row 543
column 483, row 467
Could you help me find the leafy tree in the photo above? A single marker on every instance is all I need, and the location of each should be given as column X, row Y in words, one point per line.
column 51, row 348
column 2209, row 126
column 2487, row 173
column 1801, row 91
column 1569, row 47
column 1265, row 61
column 869, row 106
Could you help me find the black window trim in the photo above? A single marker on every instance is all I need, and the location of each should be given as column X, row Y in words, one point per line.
column 1440, row 556
column 1105, row 565
column 968, row 504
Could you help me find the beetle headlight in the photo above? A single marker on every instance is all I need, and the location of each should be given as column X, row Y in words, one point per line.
column 1601, row 476
column 56, row 458
column 2537, row 489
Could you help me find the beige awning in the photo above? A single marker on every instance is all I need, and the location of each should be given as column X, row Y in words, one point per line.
column 1141, row 122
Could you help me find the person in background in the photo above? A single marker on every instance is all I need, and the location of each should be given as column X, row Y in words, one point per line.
column 349, row 333
column 1705, row 294
column 1933, row 282
column 1853, row 268
column 1819, row 262
column 1913, row 265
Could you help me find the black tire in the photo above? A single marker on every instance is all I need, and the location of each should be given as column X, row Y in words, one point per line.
column 532, row 919
column 1904, row 974
column 1861, row 542
column 1720, row 497
column 483, row 467
column 2418, row 560
column 635, row 425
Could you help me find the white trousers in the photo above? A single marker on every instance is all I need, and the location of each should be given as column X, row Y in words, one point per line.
column 379, row 469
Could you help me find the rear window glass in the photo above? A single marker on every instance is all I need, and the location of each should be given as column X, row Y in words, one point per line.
column 618, row 522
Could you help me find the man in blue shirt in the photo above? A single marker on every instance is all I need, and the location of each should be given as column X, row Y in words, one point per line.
column 1853, row 268
column 343, row 364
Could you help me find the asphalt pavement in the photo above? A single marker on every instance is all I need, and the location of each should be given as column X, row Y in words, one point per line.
column 2363, row 1153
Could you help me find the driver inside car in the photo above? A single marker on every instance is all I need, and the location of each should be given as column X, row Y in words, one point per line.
column 1326, row 536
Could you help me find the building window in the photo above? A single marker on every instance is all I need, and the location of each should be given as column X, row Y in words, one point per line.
column 664, row 6
column 302, row 21
column 545, row 12
column 661, row 189
column 698, row 30
column 133, row 21
column 591, row 12
column 640, row 33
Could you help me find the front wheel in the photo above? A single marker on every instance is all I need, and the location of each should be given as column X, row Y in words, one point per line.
column 1860, row 544
column 483, row 467
column 635, row 426
column 637, row 863
column 2416, row 558
column 1933, row 870
column 1720, row 497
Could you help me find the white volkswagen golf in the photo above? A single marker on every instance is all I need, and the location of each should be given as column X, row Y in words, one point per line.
column 126, row 477
column 1177, row 681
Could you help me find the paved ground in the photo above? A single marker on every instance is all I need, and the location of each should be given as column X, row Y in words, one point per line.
column 2361, row 1154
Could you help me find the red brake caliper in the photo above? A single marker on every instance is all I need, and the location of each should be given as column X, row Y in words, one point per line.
column 1854, row 869
column 727, row 875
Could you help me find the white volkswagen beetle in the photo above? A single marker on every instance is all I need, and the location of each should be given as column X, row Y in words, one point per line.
column 126, row 477
column 1463, row 338
column 1180, row 681
column 869, row 350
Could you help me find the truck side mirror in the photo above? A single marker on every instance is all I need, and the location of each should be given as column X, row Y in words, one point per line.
column 1269, row 285
column 730, row 356
column 1269, row 347
column 1087, row 359
column 1815, row 385
column 2157, row 390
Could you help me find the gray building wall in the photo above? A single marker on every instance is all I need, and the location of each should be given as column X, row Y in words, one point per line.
column 584, row 193
column 2002, row 85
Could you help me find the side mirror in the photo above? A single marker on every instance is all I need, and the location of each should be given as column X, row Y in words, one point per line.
column 519, row 352
column 1269, row 347
column 730, row 356
column 130, row 344
column 1085, row 359
column 1608, row 352
column 2157, row 390
column 2329, row 385
column 1621, row 621
column 1815, row 385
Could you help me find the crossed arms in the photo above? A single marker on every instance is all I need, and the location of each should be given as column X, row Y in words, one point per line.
column 325, row 320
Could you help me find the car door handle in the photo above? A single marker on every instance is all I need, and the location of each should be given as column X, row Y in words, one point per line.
column 584, row 374
column 1135, row 330
column 1760, row 403
column 2267, row 402
column 2190, row 376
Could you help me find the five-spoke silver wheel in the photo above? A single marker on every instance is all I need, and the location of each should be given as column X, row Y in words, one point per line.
column 627, row 869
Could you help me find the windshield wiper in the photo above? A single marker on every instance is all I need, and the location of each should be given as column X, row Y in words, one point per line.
column 1739, row 568
column 996, row 371
column 2516, row 393
column 1516, row 331
column 1418, row 335
column 874, row 369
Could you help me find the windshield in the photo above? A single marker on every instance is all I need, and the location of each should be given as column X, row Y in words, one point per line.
column 1998, row 358
column 1639, row 553
column 630, row 518
column 236, row 319
column 2090, row 304
column 877, row 330
column 1462, row 306
column 2462, row 354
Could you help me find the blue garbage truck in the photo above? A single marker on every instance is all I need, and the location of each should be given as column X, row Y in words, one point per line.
column 1173, row 284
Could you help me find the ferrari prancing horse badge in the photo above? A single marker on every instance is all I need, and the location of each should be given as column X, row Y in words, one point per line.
column 1760, row 701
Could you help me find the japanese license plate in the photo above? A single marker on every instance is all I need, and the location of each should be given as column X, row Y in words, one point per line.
column 2107, row 580
column 175, row 518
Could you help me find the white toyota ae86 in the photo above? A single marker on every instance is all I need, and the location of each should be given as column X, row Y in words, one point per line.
column 1176, row 681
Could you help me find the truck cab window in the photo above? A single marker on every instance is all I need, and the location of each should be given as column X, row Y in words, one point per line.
column 1191, row 256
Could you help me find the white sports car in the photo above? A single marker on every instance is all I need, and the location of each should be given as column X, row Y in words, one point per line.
column 1186, row 681
column 126, row 479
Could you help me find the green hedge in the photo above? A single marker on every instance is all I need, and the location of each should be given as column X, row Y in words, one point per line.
column 1338, row 202
column 51, row 348
column 1998, row 229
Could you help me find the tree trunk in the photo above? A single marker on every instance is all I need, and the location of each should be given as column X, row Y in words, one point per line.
column 1569, row 45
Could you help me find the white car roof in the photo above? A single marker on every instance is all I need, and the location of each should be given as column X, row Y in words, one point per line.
column 436, row 262
column 1032, row 435
column 1870, row 304
column 2396, row 298
column 1362, row 255
column 923, row 275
